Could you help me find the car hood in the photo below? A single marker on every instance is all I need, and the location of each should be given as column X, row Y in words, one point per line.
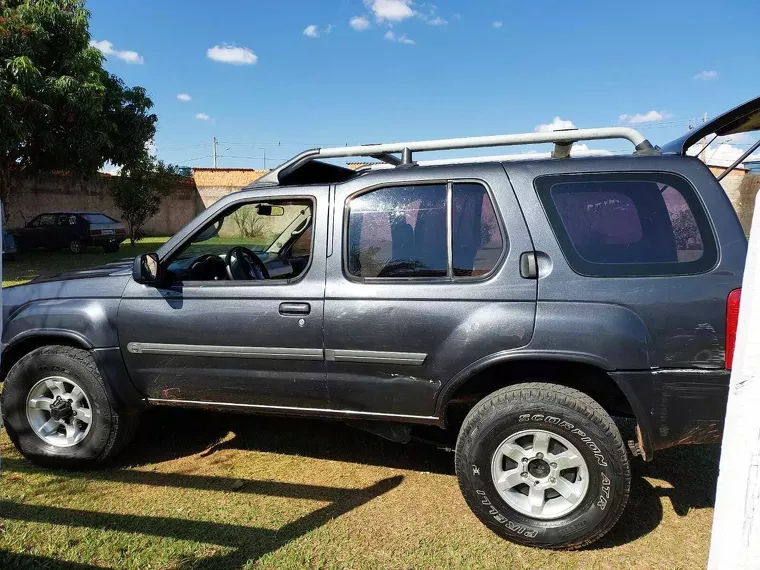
column 104, row 282
column 113, row 269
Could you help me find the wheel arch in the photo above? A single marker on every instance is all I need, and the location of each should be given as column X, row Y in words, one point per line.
column 586, row 373
column 27, row 341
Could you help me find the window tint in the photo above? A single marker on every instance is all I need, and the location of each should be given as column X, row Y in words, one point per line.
column 477, row 243
column 98, row 219
column 629, row 224
column 398, row 232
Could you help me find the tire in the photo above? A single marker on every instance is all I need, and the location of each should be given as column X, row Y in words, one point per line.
column 509, row 421
column 77, row 245
column 108, row 431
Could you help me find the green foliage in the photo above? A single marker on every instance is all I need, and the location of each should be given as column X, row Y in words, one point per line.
column 59, row 109
column 249, row 223
column 140, row 189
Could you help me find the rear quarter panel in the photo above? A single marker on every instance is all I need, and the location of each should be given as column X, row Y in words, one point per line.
column 641, row 322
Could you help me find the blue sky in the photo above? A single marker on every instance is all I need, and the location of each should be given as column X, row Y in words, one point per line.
column 305, row 73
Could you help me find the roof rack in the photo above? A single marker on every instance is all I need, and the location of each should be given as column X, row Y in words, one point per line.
column 304, row 167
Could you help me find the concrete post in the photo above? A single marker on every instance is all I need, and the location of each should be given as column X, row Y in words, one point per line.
column 736, row 524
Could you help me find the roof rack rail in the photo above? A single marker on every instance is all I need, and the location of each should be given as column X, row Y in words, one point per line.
column 562, row 140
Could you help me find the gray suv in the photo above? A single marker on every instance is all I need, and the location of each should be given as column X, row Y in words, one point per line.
column 518, row 305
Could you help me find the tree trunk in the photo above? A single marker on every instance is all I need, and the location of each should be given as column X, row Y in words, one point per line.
column 6, row 185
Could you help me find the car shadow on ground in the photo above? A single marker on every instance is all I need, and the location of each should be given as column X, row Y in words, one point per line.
column 689, row 475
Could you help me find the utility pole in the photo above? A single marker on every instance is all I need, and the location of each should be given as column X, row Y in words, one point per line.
column 265, row 158
column 704, row 141
column 214, row 151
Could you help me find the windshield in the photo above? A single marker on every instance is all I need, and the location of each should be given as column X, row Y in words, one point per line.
column 260, row 227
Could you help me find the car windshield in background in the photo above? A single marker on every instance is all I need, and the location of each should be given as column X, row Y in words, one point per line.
column 99, row 219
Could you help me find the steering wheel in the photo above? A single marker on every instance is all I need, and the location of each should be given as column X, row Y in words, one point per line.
column 246, row 265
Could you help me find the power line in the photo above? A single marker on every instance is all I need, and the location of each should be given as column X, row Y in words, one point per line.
column 194, row 159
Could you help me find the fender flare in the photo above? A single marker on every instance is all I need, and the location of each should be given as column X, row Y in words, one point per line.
column 59, row 333
column 458, row 380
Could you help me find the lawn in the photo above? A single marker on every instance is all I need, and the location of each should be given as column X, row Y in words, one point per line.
column 30, row 264
column 206, row 490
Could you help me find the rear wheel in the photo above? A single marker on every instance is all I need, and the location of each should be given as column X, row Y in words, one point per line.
column 56, row 409
column 77, row 245
column 543, row 465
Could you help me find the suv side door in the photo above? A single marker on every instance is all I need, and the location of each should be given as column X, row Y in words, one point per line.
column 392, row 340
column 255, row 344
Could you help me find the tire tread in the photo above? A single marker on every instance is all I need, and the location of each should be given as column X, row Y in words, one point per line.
column 564, row 396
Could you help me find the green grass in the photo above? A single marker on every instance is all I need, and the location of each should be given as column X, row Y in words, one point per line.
column 30, row 264
column 204, row 490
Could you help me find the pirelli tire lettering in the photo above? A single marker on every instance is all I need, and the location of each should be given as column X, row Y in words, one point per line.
column 566, row 413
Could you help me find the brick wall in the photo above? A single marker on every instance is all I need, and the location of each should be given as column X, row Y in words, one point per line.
column 33, row 196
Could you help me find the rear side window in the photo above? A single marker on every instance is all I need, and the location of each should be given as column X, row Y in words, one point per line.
column 403, row 232
column 629, row 224
column 477, row 243
column 98, row 219
column 398, row 232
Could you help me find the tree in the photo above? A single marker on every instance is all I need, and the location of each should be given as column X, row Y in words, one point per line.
column 59, row 109
column 140, row 189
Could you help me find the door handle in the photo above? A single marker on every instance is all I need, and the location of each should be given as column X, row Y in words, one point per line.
column 529, row 265
column 298, row 309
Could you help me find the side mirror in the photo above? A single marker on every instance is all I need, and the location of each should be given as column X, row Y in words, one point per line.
column 146, row 269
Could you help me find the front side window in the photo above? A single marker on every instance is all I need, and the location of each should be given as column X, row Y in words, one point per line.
column 248, row 242
column 402, row 232
column 629, row 224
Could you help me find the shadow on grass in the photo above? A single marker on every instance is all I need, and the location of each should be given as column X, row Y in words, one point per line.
column 248, row 543
column 169, row 433
column 690, row 474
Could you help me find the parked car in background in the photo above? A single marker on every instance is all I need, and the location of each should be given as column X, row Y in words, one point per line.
column 9, row 247
column 74, row 231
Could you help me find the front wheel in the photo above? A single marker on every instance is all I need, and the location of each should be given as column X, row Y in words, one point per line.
column 543, row 465
column 56, row 409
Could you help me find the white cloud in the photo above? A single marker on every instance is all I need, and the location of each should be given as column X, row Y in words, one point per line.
column 497, row 25
column 359, row 23
column 556, row 125
column 457, row 16
column 639, row 118
column 706, row 75
column 110, row 169
column 232, row 54
column 329, row 28
column 437, row 21
column 720, row 153
column 202, row 117
column 390, row 10
column 106, row 48
column 402, row 39
column 311, row 31
column 184, row 97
